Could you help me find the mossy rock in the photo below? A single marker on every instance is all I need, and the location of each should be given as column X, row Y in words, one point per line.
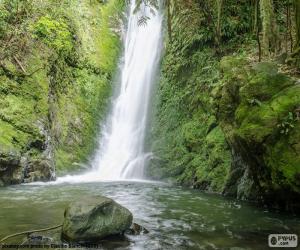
column 94, row 218
column 258, row 128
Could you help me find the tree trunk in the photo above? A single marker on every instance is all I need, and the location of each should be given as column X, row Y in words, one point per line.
column 295, row 57
column 218, row 28
column 297, row 22
column 256, row 10
column 269, row 27
column 257, row 29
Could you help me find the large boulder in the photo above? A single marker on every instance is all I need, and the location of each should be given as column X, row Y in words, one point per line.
column 94, row 218
column 257, row 108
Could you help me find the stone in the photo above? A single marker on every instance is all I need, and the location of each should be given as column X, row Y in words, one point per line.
column 39, row 240
column 93, row 218
column 39, row 170
column 10, row 168
column 136, row 229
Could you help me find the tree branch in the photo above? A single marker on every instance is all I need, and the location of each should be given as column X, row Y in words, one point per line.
column 30, row 232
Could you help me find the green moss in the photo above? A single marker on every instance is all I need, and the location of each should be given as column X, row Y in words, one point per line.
column 12, row 138
column 65, row 90
column 189, row 145
column 263, row 125
column 215, row 169
column 24, row 107
column 97, row 28
column 284, row 161
column 80, row 108
column 260, row 121
column 109, row 42
column 78, row 114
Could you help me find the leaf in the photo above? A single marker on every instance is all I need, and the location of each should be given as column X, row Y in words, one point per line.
column 143, row 20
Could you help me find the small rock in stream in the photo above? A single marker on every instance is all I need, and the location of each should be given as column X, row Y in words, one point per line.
column 136, row 229
column 34, row 239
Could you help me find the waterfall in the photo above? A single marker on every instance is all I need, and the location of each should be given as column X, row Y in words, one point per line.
column 121, row 153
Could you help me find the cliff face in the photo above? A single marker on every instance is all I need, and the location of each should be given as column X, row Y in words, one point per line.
column 57, row 62
column 223, row 122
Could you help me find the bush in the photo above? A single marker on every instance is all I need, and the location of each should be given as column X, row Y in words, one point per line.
column 55, row 34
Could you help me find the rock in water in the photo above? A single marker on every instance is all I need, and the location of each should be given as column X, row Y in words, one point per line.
column 136, row 229
column 92, row 219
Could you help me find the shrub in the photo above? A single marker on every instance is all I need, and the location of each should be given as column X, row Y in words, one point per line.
column 55, row 34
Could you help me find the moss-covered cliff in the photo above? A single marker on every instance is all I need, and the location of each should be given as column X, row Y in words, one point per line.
column 258, row 109
column 56, row 68
column 224, row 122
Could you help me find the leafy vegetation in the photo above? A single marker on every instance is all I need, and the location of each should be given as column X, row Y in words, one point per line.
column 55, row 34
column 288, row 124
column 221, row 114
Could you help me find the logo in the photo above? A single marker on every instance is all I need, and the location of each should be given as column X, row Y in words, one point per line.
column 283, row 240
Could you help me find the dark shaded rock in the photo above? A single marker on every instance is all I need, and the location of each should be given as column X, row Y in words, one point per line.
column 35, row 239
column 11, row 171
column 39, row 170
column 16, row 169
column 39, row 143
column 92, row 219
column 136, row 229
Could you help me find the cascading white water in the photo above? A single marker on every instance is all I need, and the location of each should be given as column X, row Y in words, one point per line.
column 121, row 152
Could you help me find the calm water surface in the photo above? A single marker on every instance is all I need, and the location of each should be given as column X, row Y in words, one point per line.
column 176, row 218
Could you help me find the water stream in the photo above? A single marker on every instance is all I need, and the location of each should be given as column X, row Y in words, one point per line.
column 176, row 218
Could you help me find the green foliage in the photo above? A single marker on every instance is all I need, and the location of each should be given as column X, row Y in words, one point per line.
column 206, row 14
column 201, row 102
column 288, row 123
column 269, row 26
column 64, row 91
column 109, row 42
column 14, row 38
column 189, row 145
column 23, row 113
column 152, row 4
column 56, row 34
column 83, row 103
column 11, row 13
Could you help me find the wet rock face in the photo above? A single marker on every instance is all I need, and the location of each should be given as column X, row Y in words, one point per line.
column 39, row 170
column 16, row 169
column 11, row 170
column 92, row 219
